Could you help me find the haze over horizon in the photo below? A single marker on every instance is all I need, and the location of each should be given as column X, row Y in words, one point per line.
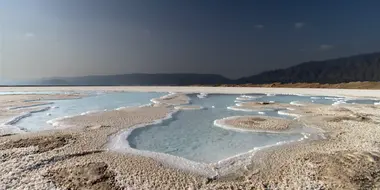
column 50, row 38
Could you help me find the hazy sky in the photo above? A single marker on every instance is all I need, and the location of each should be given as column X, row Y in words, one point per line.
column 44, row 38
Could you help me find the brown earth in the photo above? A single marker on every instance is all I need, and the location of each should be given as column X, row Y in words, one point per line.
column 44, row 144
column 89, row 176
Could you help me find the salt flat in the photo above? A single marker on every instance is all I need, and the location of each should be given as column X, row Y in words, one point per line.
column 81, row 156
column 226, row 90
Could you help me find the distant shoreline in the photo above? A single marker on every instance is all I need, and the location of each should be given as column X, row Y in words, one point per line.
column 348, row 85
column 354, row 93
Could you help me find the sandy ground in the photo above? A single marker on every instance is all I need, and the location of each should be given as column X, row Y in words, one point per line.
column 77, row 158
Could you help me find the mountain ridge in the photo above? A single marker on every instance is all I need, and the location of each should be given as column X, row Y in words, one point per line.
column 362, row 67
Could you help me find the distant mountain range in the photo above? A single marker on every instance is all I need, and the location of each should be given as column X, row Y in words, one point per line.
column 364, row 67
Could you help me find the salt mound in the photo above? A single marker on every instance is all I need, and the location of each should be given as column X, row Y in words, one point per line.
column 254, row 123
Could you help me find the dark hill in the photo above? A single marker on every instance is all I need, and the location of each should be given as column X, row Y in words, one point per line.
column 364, row 67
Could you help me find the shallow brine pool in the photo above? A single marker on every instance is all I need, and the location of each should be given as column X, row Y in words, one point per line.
column 94, row 102
column 191, row 134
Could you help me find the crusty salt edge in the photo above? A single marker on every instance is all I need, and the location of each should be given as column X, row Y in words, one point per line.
column 338, row 103
column 247, row 98
column 202, row 95
column 9, row 127
column 238, row 108
column 158, row 100
column 119, row 143
column 282, row 112
column 24, row 115
column 29, row 106
column 59, row 123
column 189, row 108
column 296, row 103
column 53, row 99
